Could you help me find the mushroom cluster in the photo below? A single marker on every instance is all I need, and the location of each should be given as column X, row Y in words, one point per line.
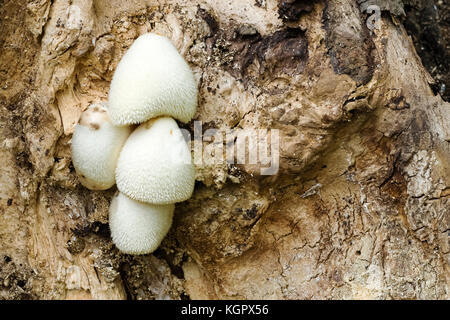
column 152, row 164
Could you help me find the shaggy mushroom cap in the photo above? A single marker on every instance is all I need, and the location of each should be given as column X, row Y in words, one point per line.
column 96, row 146
column 155, row 164
column 137, row 227
column 152, row 79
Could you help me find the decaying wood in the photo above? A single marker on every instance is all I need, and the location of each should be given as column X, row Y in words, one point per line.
column 359, row 208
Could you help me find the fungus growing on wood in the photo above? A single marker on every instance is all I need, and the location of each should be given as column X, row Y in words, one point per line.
column 155, row 164
column 96, row 146
column 152, row 79
column 137, row 227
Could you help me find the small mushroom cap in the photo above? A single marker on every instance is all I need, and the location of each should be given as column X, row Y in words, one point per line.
column 137, row 227
column 152, row 79
column 96, row 146
column 155, row 164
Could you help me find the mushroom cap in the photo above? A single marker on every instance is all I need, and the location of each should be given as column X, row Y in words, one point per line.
column 155, row 164
column 96, row 146
column 152, row 79
column 137, row 227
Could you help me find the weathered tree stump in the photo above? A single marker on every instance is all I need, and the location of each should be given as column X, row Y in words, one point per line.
column 359, row 207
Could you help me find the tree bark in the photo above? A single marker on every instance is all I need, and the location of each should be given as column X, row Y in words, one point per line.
column 359, row 208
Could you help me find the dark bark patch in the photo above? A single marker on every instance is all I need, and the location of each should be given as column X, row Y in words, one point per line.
column 291, row 10
column 286, row 51
column 393, row 6
column 251, row 213
column 393, row 191
column 283, row 52
column 173, row 260
column 398, row 103
column 15, row 280
column 76, row 245
column 98, row 228
column 236, row 47
column 23, row 161
column 428, row 24
column 210, row 21
column 348, row 41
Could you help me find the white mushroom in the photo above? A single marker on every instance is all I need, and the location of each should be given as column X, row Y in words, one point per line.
column 96, row 145
column 152, row 79
column 155, row 164
column 137, row 227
